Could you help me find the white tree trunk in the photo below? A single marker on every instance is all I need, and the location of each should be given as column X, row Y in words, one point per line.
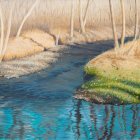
column 72, row 19
column 81, row 17
column 5, row 43
column 123, row 23
column 8, row 29
column 26, row 17
column 2, row 31
column 116, row 43
column 86, row 12
column 136, row 20
column 57, row 39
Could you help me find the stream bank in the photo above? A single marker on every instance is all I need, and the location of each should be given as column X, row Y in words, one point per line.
column 41, row 105
column 36, row 50
column 114, row 77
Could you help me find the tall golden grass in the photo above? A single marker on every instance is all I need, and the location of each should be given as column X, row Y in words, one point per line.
column 63, row 14
column 50, row 14
column 20, row 47
column 26, row 17
column 5, row 39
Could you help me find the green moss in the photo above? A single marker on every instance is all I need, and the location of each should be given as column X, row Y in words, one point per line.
column 116, row 89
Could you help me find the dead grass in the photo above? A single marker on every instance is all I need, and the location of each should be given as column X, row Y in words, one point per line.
column 53, row 16
column 30, row 43
column 21, row 47
column 31, row 64
column 40, row 37
column 124, row 62
column 50, row 14
column 35, row 40
column 91, row 35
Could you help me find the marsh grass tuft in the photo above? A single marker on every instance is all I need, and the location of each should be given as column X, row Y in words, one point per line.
column 114, row 91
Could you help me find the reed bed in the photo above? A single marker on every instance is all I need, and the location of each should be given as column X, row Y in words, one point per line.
column 56, row 17
column 50, row 14
column 20, row 47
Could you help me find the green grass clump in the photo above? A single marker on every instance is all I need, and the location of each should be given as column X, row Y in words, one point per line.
column 91, row 71
column 112, row 90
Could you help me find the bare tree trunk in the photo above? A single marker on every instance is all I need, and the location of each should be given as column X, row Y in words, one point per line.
column 57, row 39
column 26, row 17
column 2, row 31
column 8, row 29
column 123, row 22
column 131, row 11
column 136, row 20
column 81, row 17
column 5, row 43
column 116, row 43
column 86, row 11
column 72, row 19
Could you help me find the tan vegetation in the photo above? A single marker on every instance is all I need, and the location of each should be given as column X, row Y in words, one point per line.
column 126, row 64
column 21, row 47
column 127, row 57
column 28, row 65
column 31, row 42
column 40, row 37
column 26, row 17
column 50, row 14
column 86, row 15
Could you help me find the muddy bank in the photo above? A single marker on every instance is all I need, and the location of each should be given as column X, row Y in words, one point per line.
column 93, row 97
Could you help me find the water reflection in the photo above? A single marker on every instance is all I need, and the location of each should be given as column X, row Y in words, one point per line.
column 134, row 109
column 74, row 120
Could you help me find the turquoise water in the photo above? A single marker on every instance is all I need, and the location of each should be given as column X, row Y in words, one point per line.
column 41, row 106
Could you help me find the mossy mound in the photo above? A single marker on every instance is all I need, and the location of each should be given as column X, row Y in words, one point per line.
column 115, row 79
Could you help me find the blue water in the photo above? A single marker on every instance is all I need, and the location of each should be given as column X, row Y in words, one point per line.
column 41, row 106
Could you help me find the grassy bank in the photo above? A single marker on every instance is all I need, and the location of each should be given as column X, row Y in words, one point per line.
column 112, row 90
column 113, row 79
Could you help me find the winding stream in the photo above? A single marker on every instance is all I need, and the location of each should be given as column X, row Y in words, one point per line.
column 41, row 106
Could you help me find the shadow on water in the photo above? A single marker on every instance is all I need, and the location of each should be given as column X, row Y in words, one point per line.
column 41, row 106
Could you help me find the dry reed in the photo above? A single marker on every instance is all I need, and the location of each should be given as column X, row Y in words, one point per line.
column 50, row 14
column 26, row 17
